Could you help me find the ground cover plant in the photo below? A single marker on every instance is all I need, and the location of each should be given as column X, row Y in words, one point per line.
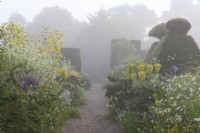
column 38, row 87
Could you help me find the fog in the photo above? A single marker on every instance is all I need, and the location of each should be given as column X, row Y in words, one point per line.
column 94, row 32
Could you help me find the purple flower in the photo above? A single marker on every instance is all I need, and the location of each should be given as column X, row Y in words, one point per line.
column 29, row 80
column 175, row 68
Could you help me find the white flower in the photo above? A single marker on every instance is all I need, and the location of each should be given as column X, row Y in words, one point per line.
column 178, row 117
column 197, row 119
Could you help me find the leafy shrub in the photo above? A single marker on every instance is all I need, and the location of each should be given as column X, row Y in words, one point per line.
column 87, row 82
column 37, row 85
column 178, row 26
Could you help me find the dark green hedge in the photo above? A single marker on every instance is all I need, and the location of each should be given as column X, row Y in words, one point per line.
column 74, row 55
column 178, row 26
column 158, row 31
column 149, row 54
column 182, row 47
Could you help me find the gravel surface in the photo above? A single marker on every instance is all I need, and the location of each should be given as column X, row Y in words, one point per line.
column 93, row 116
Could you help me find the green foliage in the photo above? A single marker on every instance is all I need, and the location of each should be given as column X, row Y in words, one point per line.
column 177, row 26
column 37, row 85
column 158, row 31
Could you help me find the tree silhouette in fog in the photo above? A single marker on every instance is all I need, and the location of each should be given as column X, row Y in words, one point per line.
column 18, row 18
column 56, row 18
column 122, row 21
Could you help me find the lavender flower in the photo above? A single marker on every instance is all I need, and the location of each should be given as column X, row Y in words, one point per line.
column 29, row 80
column 175, row 68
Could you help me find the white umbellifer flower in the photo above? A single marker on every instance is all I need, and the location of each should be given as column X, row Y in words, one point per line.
column 197, row 119
column 178, row 117
column 174, row 104
column 194, row 78
column 179, row 85
column 167, row 110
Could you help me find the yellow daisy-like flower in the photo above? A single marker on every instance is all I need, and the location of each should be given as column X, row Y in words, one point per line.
column 157, row 67
column 142, row 75
column 149, row 68
column 133, row 76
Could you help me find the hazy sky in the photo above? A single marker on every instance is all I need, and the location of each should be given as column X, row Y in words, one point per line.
column 79, row 8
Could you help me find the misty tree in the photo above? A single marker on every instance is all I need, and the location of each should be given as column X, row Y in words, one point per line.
column 18, row 18
column 94, row 43
column 131, row 22
column 118, row 22
column 56, row 18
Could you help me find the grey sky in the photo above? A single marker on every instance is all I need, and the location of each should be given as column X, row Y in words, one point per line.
column 79, row 8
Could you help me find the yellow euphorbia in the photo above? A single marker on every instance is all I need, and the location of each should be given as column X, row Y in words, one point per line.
column 157, row 67
column 133, row 75
column 149, row 68
column 140, row 67
column 142, row 75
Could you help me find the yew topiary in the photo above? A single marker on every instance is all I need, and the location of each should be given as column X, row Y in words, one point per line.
column 150, row 52
column 158, row 31
column 178, row 26
column 177, row 50
column 74, row 55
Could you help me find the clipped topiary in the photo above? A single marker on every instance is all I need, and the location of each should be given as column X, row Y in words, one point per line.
column 158, row 31
column 74, row 55
column 178, row 26
column 177, row 50
column 149, row 55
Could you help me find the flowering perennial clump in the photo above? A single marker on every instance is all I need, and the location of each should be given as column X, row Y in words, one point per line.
column 145, row 101
column 38, row 87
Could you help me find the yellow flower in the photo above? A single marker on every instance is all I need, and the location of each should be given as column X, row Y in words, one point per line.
column 157, row 67
column 149, row 68
column 131, row 67
column 158, row 103
column 133, row 76
column 75, row 74
column 140, row 67
column 142, row 75
column 62, row 72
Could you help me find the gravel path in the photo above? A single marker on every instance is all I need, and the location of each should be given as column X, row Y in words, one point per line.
column 93, row 116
